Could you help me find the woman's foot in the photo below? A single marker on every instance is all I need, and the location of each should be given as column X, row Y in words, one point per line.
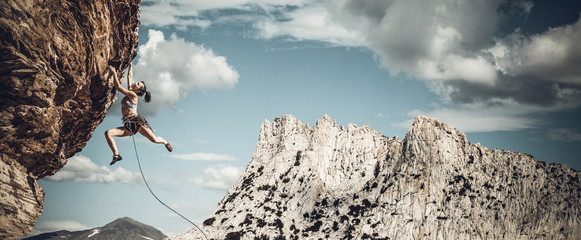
column 168, row 146
column 116, row 158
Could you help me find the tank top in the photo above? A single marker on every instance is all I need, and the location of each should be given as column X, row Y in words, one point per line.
column 126, row 103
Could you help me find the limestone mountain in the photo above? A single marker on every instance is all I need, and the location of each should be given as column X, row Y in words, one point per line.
column 53, row 92
column 331, row 182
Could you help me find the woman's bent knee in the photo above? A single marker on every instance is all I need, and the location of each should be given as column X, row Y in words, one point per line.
column 113, row 133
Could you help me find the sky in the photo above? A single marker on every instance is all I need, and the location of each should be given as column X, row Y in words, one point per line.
column 504, row 72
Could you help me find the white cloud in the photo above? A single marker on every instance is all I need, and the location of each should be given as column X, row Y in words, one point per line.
column 171, row 68
column 309, row 23
column 221, row 178
column 202, row 156
column 184, row 14
column 552, row 55
column 410, row 35
column 453, row 67
column 53, row 226
column 81, row 169
column 164, row 13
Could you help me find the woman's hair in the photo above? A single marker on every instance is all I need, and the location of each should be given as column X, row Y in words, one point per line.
column 144, row 91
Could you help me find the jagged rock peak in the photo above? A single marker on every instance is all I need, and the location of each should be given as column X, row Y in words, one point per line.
column 328, row 182
column 53, row 92
column 427, row 124
column 424, row 127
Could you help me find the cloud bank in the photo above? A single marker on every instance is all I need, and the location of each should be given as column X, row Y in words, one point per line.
column 464, row 51
column 80, row 168
column 489, row 81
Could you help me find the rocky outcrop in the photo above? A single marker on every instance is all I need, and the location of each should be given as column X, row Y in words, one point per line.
column 52, row 92
column 331, row 182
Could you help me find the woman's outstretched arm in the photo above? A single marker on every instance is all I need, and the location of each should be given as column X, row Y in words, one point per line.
column 118, row 84
column 130, row 76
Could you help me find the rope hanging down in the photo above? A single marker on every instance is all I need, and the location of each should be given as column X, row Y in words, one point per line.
column 146, row 184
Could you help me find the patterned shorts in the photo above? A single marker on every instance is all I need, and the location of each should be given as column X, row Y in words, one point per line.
column 135, row 122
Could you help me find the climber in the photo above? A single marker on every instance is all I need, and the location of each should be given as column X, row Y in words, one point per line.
column 132, row 122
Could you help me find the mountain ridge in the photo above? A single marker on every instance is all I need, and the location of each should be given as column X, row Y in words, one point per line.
column 333, row 182
column 122, row 228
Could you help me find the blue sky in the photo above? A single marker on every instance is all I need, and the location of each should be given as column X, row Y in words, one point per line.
column 505, row 72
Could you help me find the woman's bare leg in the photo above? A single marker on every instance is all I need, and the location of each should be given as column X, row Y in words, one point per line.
column 115, row 132
column 149, row 135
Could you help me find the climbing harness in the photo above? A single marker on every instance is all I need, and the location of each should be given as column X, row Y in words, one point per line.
column 146, row 184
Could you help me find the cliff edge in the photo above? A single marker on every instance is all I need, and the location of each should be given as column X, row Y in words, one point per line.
column 331, row 182
column 52, row 94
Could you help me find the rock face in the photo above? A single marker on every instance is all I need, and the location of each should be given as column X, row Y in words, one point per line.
column 328, row 182
column 53, row 93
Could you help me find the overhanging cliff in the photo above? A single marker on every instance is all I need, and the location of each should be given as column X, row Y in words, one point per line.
column 52, row 94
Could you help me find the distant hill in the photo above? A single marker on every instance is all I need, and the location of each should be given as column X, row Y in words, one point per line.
column 122, row 228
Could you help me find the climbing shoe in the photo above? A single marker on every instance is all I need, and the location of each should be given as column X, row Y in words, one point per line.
column 169, row 147
column 116, row 158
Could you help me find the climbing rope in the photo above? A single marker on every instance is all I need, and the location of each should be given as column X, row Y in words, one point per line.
column 146, row 184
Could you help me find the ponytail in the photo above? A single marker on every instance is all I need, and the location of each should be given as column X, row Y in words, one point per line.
column 147, row 97
column 147, row 93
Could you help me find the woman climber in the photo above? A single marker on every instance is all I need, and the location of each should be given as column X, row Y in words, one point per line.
column 132, row 121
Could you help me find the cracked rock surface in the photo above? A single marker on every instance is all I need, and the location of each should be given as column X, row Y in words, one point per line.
column 52, row 90
column 332, row 182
